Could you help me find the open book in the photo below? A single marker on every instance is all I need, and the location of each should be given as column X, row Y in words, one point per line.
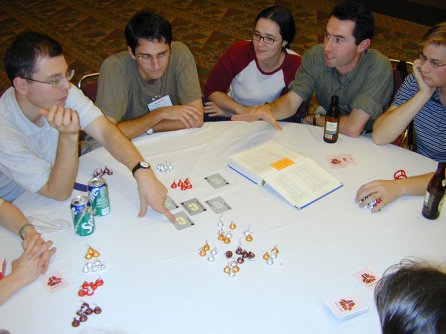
column 297, row 178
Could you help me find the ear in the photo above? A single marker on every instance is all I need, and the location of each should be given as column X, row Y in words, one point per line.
column 131, row 52
column 20, row 85
column 364, row 45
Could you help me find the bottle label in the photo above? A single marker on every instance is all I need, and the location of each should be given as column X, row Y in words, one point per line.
column 331, row 127
column 432, row 205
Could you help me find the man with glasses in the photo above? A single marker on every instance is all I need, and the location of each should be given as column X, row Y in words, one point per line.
column 421, row 98
column 344, row 66
column 154, row 85
column 40, row 119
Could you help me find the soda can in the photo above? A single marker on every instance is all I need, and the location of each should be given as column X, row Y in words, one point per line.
column 98, row 196
column 83, row 219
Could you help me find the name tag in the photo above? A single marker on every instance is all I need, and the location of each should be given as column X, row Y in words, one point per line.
column 162, row 102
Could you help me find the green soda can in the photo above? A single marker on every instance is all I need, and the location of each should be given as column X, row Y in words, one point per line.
column 98, row 196
column 83, row 219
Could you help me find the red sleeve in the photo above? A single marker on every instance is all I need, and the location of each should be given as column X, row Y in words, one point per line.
column 232, row 62
column 290, row 66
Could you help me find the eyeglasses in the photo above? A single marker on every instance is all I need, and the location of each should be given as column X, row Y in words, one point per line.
column 267, row 40
column 147, row 57
column 432, row 63
column 57, row 81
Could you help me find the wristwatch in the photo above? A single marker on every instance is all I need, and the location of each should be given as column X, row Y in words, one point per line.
column 142, row 164
column 315, row 117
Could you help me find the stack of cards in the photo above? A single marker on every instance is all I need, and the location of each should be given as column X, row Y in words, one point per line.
column 347, row 307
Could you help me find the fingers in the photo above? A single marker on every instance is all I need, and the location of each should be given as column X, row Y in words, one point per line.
column 63, row 119
column 44, row 260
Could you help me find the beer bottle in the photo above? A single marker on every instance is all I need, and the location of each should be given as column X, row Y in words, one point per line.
column 331, row 128
column 434, row 193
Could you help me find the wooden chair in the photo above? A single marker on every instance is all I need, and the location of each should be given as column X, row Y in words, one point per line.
column 400, row 71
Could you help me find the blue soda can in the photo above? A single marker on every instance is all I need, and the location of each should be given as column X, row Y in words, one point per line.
column 83, row 219
column 98, row 196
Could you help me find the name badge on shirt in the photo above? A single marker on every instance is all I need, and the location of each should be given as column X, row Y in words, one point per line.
column 161, row 102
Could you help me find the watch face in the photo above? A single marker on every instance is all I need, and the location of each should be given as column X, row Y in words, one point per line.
column 144, row 164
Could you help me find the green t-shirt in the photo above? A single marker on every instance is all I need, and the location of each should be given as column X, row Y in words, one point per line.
column 368, row 87
column 123, row 94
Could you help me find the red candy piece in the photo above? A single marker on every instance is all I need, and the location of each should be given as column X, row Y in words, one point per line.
column 81, row 293
column 187, row 181
column 180, row 183
column 99, row 282
column 189, row 186
column 173, row 185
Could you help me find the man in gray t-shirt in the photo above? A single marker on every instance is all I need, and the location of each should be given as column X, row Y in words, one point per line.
column 342, row 66
column 154, row 85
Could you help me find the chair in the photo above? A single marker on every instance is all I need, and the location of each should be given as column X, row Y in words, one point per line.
column 89, row 85
column 400, row 71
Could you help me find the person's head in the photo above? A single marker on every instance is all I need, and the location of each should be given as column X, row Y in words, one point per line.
column 411, row 298
column 348, row 34
column 37, row 69
column 149, row 38
column 433, row 56
column 274, row 30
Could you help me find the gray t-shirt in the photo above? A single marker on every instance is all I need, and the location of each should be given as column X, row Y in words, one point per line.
column 123, row 94
column 368, row 87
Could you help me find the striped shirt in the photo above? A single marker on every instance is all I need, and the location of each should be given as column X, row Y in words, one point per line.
column 429, row 123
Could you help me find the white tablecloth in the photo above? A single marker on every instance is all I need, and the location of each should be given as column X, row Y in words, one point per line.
column 155, row 281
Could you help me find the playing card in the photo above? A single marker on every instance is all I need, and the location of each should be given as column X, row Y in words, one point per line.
column 341, row 160
column 367, row 278
column 218, row 205
column 216, row 181
column 347, row 307
column 182, row 221
column 193, row 206
column 170, row 204
column 55, row 282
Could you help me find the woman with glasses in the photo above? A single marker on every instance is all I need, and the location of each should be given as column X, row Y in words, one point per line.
column 421, row 98
column 255, row 72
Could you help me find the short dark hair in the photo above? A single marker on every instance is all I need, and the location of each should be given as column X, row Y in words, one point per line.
column 411, row 298
column 358, row 13
column 283, row 18
column 25, row 49
column 149, row 26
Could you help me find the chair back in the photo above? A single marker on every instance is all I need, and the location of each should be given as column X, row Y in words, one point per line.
column 400, row 71
column 89, row 85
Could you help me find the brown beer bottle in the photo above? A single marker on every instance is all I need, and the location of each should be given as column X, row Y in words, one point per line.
column 434, row 193
column 331, row 128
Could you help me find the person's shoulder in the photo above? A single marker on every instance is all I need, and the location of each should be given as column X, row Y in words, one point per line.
column 180, row 47
column 119, row 57
column 315, row 50
column 376, row 56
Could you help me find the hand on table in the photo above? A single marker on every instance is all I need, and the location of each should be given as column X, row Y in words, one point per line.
column 34, row 261
column 262, row 112
column 386, row 190
column 188, row 115
column 213, row 110
column 151, row 193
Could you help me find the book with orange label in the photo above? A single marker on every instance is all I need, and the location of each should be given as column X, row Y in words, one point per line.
column 297, row 178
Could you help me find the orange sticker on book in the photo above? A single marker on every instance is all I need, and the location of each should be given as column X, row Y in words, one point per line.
column 282, row 163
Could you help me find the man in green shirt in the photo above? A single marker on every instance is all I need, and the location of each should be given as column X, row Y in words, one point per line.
column 154, row 85
column 342, row 66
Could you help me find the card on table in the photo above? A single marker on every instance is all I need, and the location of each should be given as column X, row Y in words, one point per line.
column 341, row 160
column 366, row 277
column 216, row 181
column 182, row 221
column 347, row 307
column 55, row 281
column 218, row 205
column 193, row 206
column 170, row 204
